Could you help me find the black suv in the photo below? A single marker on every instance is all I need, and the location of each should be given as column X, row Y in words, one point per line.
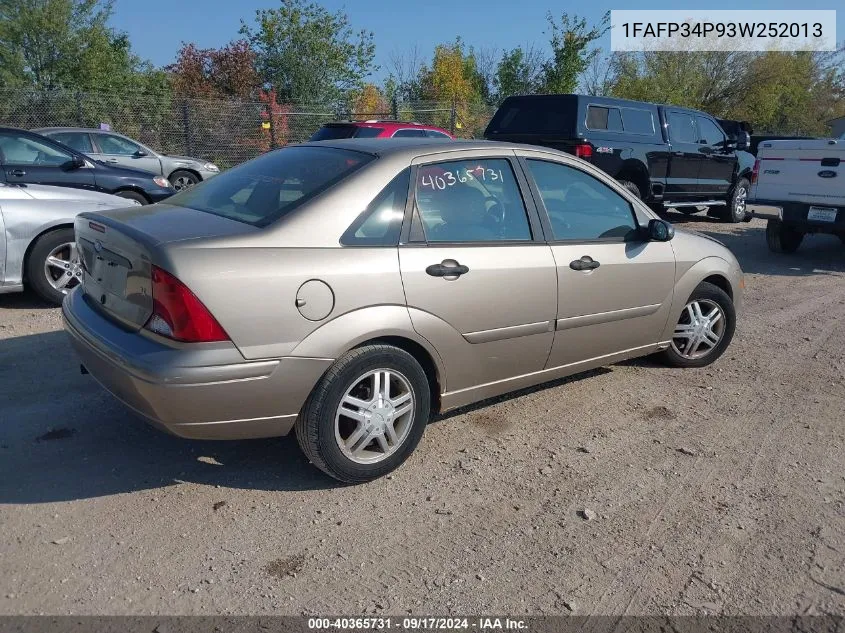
column 666, row 155
column 26, row 157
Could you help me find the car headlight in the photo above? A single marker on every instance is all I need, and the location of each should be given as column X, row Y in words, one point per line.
column 161, row 181
column 210, row 167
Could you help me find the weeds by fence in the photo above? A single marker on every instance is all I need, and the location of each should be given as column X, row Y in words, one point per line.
column 225, row 132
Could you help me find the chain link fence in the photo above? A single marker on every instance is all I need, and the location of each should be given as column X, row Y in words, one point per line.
column 224, row 132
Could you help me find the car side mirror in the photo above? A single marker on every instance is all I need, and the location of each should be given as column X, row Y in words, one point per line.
column 660, row 231
column 77, row 162
column 139, row 154
column 742, row 145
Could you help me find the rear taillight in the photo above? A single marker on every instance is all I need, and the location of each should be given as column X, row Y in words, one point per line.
column 755, row 172
column 178, row 314
column 584, row 150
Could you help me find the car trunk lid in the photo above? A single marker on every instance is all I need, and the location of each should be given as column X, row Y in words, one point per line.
column 808, row 171
column 118, row 250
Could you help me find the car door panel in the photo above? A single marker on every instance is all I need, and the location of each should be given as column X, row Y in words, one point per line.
column 685, row 157
column 717, row 166
column 116, row 150
column 37, row 160
column 620, row 302
column 495, row 321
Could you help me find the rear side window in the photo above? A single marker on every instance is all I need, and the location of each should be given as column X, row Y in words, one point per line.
column 637, row 121
column 267, row 188
column 604, row 118
column 368, row 132
column 436, row 134
column 682, row 128
column 80, row 141
column 333, row 132
column 381, row 222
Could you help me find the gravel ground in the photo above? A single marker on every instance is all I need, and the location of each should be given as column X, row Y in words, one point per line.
column 713, row 490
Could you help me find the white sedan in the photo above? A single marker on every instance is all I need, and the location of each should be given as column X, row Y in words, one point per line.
column 37, row 246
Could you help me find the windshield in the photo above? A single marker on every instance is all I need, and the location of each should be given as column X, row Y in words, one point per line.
column 270, row 186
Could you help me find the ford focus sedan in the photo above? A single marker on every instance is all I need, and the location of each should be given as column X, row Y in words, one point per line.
column 348, row 290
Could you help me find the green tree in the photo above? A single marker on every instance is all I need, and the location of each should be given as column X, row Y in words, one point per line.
column 572, row 51
column 307, row 54
column 519, row 72
column 49, row 44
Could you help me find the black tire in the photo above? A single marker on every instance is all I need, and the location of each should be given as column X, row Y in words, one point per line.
column 181, row 179
column 36, row 274
column 782, row 238
column 842, row 237
column 687, row 210
column 315, row 426
column 707, row 292
column 737, row 207
column 632, row 187
column 132, row 195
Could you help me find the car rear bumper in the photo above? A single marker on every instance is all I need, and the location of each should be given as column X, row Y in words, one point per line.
column 205, row 391
column 795, row 215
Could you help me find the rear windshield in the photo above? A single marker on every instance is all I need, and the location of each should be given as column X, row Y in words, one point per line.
column 534, row 116
column 334, row 132
column 270, row 186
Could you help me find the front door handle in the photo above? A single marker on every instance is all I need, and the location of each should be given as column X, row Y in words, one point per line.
column 677, row 153
column 447, row 270
column 17, row 172
column 585, row 263
column 110, row 160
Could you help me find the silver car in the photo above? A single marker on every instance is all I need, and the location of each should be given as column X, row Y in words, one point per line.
column 349, row 289
column 36, row 236
column 117, row 149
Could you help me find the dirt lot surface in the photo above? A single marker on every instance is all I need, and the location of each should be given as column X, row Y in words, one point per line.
column 713, row 490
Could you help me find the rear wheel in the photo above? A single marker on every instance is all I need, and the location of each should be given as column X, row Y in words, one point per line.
column 782, row 238
column 688, row 210
column 132, row 195
column 53, row 266
column 632, row 187
column 737, row 202
column 366, row 415
column 704, row 329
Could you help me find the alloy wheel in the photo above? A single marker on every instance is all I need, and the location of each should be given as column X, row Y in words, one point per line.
column 375, row 416
column 63, row 268
column 699, row 330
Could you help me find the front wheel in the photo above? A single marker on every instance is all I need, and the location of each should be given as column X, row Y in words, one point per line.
column 53, row 267
column 704, row 329
column 132, row 195
column 181, row 179
column 738, row 202
column 782, row 238
column 366, row 415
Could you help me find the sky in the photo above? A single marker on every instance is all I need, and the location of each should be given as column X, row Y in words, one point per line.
column 157, row 28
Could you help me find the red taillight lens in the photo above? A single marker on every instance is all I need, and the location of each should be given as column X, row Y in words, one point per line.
column 584, row 150
column 755, row 171
column 178, row 314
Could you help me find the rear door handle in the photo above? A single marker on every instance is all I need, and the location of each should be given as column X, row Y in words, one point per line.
column 17, row 172
column 677, row 153
column 445, row 270
column 585, row 263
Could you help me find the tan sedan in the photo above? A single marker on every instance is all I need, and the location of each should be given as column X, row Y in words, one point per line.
column 351, row 289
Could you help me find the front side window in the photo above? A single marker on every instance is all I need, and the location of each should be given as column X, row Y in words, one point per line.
column 266, row 188
column 80, row 141
column 581, row 207
column 682, row 128
column 436, row 134
column 381, row 223
column 115, row 145
column 470, row 201
column 709, row 132
column 17, row 149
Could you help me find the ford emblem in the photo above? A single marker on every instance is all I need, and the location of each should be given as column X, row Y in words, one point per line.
column 98, row 246
column 827, row 173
